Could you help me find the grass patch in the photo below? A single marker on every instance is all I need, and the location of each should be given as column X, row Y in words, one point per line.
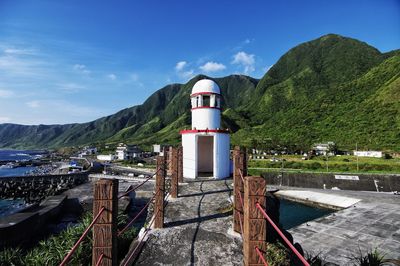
column 52, row 250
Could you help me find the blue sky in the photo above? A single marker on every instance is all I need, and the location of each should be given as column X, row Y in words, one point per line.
column 75, row 61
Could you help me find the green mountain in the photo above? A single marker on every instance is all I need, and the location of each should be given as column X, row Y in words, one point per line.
column 332, row 88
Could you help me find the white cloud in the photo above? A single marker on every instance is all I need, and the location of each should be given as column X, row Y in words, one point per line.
column 212, row 67
column 187, row 74
column 112, row 76
column 81, row 68
column 15, row 51
column 180, row 70
column 4, row 119
column 71, row 87
column 33, row 104
column 180, row 65
column 135, row 77
column 246, row 60
column 6, row 93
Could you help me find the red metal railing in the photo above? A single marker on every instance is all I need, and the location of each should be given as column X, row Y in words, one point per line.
column 100, row 259
column 261, row 256
column 71, row 252
column 137, row 215
column 241, row 175
column 295, row 251
column 138, row 186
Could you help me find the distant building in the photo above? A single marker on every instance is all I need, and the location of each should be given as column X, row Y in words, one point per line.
column 324, row 148
column 375, row 154
column 128, row 152
column 157, row 148
column 106, row 157
column 88, row 151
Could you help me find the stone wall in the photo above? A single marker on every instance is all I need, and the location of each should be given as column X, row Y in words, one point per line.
column 37, row 188
column 361, row 182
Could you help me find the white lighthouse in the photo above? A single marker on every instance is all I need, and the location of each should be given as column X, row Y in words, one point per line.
column 206, row 145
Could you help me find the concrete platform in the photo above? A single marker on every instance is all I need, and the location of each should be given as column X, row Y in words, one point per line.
column 197, row 226
column 324, row 200
column 372, row 222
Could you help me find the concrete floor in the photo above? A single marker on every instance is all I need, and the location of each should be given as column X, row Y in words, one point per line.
column 197, row 226
column 373, row 222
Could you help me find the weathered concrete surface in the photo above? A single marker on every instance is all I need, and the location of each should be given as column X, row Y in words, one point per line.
column 374, row 222
column 196, row 228
column 324, row 200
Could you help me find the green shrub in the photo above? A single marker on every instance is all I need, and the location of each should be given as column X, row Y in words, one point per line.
column 314, row 166
column 372, row 258
column 11, row 256
column 276, row 255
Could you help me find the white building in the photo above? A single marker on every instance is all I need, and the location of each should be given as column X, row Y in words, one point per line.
column 128, row 152
column 206, row 145
column 324, row 148
column 106, row 157
column 375, row 154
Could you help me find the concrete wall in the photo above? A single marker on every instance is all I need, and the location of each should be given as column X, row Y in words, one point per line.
column 221, row 156
column 37, row 188
column 362, row 182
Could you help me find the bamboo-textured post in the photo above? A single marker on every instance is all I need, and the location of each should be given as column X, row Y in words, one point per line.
column 160, row 188
column 180, row 164
column 174, row 172
column 105, row 229
column 239, row 166
column 255, row 226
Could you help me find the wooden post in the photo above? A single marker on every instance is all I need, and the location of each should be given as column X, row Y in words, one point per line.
column 255, row 226
column 180, row 164
column 160, row 188
column 105, row 229
column 239, row 165
column 174, row 172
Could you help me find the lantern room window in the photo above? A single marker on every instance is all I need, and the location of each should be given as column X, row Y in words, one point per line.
column 206, row 100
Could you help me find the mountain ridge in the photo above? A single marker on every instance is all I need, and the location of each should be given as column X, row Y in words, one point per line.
column 313, row 91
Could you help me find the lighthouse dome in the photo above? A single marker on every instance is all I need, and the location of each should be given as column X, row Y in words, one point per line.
column 205, row 86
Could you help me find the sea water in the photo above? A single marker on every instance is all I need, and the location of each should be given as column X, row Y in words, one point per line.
column 8, row 206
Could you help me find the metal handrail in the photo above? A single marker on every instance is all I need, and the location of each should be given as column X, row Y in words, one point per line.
column 71, row 252
column 261, row 256
column 295, row 251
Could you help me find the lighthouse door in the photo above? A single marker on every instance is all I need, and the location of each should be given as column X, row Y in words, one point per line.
column 205, row 155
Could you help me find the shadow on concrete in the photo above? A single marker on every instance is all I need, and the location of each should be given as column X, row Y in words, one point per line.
column 198, row 180
column 206, row 193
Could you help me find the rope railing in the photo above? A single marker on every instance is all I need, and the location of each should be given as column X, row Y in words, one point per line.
column 147, row 229
column 100, row 259
column 241, row 174
column 71, row 252
column 288, row 243
column 261, row 256
column 139, row 185
column 137, row 215
column 240, row 215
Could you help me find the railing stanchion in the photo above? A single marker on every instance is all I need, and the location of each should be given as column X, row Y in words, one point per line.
column 105, row 229
column 255, row 226
column 160, row 189
column 239, row 171
column 174, row 172
column 180, row 164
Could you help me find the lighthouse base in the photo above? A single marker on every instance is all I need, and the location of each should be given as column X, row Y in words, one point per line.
column 206, row 154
